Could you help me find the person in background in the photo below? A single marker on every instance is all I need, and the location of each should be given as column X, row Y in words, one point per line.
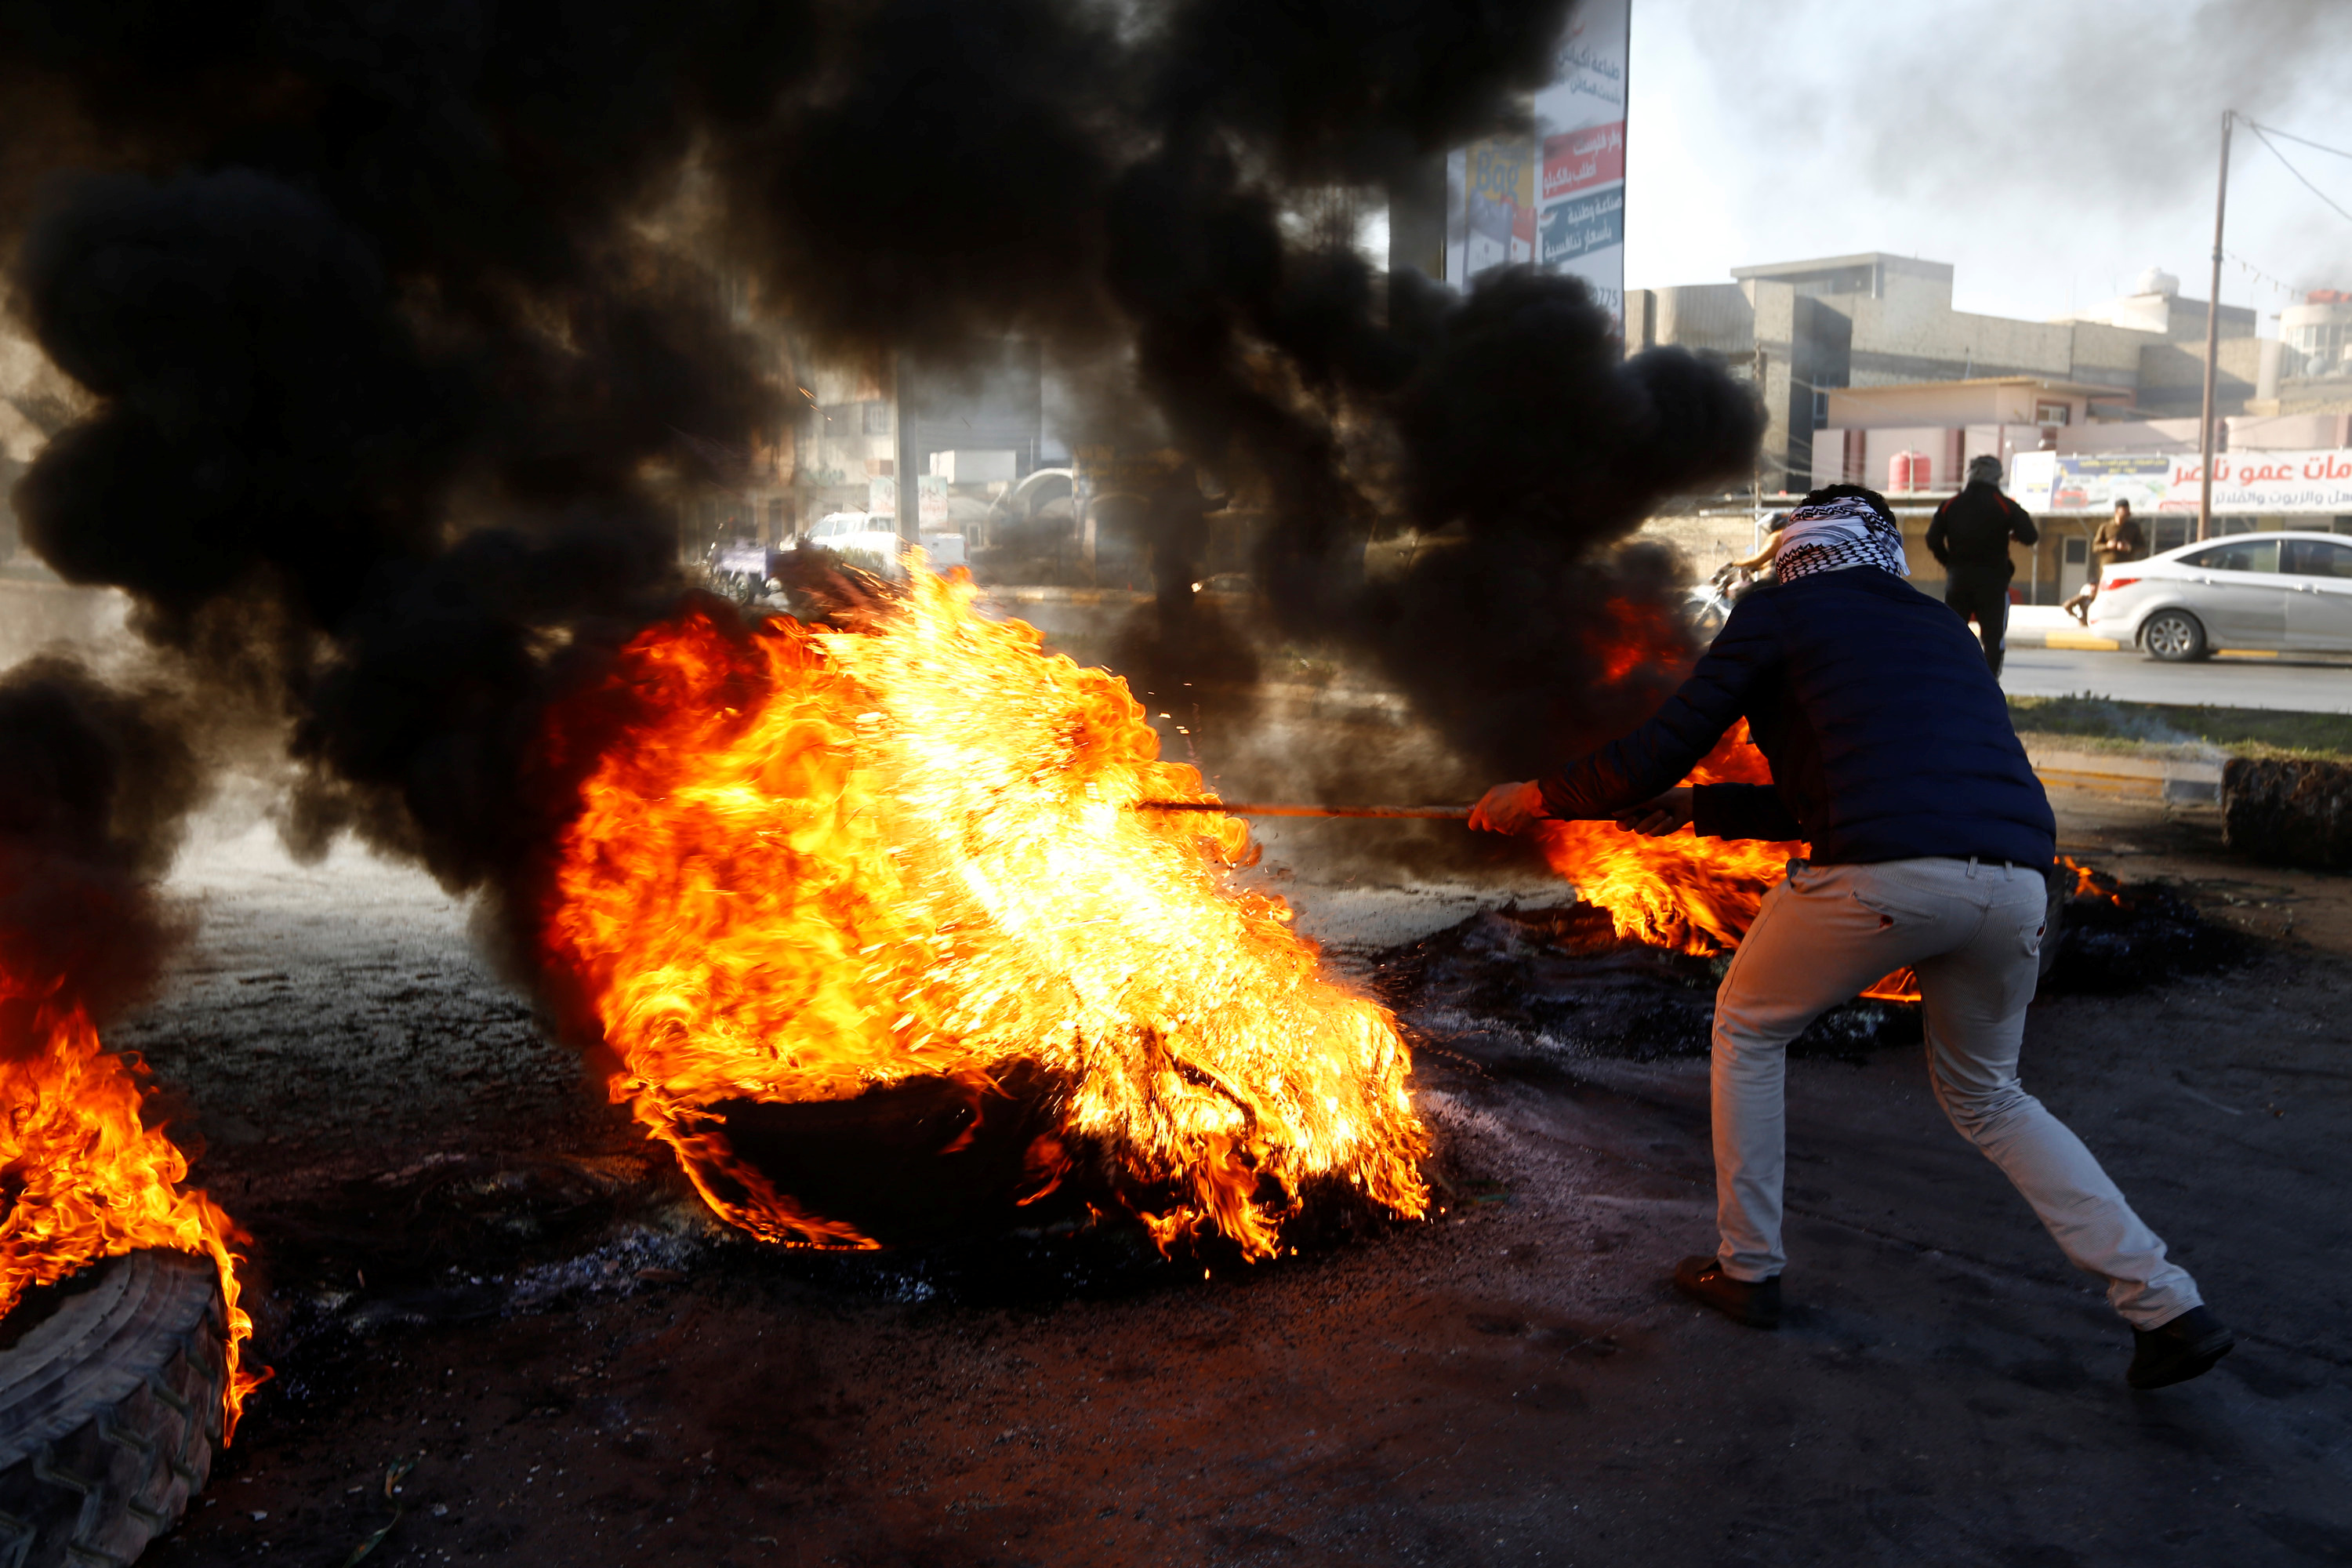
column 2118, row 538
column 1970, row 536
column 1764, row 552
column 1931, row 846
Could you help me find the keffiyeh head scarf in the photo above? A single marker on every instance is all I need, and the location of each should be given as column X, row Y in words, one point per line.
column 1847, row 532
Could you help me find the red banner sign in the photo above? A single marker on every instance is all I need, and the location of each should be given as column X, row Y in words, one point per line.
column 1575, row 160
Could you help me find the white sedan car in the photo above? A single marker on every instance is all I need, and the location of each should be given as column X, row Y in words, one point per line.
column 872, row 541
column 2286, row 591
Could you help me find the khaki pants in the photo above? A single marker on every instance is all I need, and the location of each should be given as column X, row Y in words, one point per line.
column 1974, row 933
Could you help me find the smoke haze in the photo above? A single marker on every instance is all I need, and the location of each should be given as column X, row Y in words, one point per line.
column 390, row 315
column 96, row 784
column 2050, row 154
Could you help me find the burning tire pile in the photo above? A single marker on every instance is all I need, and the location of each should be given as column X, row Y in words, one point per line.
column 121, row 1342
column 886, row 951
column 1564, row 982
column 112, row 1389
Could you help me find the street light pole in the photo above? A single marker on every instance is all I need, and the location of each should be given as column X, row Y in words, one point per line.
column 2212, row 345
column 902, row 464
column 1756, row 479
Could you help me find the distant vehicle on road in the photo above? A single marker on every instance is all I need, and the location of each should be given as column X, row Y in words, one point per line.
column 871, row 541
column 2292, row 591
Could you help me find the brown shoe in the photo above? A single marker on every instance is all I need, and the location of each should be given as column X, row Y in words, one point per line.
column 1755, row 1304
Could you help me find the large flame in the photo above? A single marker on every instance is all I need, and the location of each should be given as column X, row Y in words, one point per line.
column 1681, row 890
column 814, row 863
column 85, row 1178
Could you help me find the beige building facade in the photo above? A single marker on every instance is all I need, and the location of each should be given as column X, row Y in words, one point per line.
column 1806, row 331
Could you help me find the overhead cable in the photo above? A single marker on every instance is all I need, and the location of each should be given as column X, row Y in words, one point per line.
column 2298, row 174
column 2258, row 127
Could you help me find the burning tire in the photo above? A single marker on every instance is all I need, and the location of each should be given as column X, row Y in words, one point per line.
column 110, row 1391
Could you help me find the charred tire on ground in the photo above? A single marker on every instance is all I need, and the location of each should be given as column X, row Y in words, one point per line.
column 109, row 1409
column 2175, row 636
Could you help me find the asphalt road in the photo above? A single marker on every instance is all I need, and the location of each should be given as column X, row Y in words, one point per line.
column 467, row 1262
column 2308, row 686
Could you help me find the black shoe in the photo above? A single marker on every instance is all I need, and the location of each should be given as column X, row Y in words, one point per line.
column 1755, row 1304
column 2184, row 1347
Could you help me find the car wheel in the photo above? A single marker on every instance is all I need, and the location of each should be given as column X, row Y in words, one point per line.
column 110, row 1407
column 2173, row 636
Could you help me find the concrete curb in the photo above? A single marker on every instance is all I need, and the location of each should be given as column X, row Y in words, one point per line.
column 2033, row 636
column 2187, row 781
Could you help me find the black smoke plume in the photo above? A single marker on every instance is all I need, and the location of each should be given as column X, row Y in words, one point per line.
column 1523, row 428
column 389, row 313
column 96, row 785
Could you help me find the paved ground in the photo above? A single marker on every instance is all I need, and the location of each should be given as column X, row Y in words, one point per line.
column 2306, row 685
column 1510, row 1383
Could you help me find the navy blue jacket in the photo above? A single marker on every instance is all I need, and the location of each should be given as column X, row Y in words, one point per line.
column 1887, row 736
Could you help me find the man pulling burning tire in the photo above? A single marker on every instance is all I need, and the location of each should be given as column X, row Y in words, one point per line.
column 1894, row 758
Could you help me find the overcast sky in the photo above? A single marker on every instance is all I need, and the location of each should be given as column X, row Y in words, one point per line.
column 2049, row 148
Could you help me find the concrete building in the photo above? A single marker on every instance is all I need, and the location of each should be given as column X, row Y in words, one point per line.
column 2319, row 333
column 1914, row 442
column 1807, row 330
column 1920, row 436
column 2308, row 371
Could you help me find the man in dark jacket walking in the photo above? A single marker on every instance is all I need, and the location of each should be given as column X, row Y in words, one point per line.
column 1930, row 840
column 1971, row 537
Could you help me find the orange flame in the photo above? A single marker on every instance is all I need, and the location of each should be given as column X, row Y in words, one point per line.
column 2090, row 882
column 1637, row 635
column 1683, row 891
column 824, row 861
column 85, row 1178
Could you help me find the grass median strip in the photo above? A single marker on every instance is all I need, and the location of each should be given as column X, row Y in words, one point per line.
column 2176, row 728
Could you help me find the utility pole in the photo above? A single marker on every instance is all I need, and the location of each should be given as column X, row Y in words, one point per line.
column 1756, row 479
column 2212, row 343
column 902, row 428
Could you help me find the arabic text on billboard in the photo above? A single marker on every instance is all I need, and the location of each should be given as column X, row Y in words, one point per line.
column 2244, row 483
column 1580, row 159
column 1580, row 125
column 1575, row 229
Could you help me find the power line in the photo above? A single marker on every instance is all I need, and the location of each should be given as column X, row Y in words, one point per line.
column 2290, row 136
column 2261, row 275
column 2291, row 169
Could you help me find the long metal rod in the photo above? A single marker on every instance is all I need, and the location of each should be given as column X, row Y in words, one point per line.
column 2213, row 342
column 1259, row 809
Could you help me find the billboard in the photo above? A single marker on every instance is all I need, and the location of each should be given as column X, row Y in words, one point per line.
column 1491, row 202
column 2048, row 482
column 2244, row 483
column 1581, row 126
column 1556, row 197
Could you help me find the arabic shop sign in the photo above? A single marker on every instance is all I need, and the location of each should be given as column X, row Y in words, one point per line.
column 2244, row 483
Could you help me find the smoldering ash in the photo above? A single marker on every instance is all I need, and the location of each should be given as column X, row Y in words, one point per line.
column 386, row 311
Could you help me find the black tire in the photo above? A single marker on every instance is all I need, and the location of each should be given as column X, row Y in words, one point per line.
column 2176, row 637
column 111, row 1412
